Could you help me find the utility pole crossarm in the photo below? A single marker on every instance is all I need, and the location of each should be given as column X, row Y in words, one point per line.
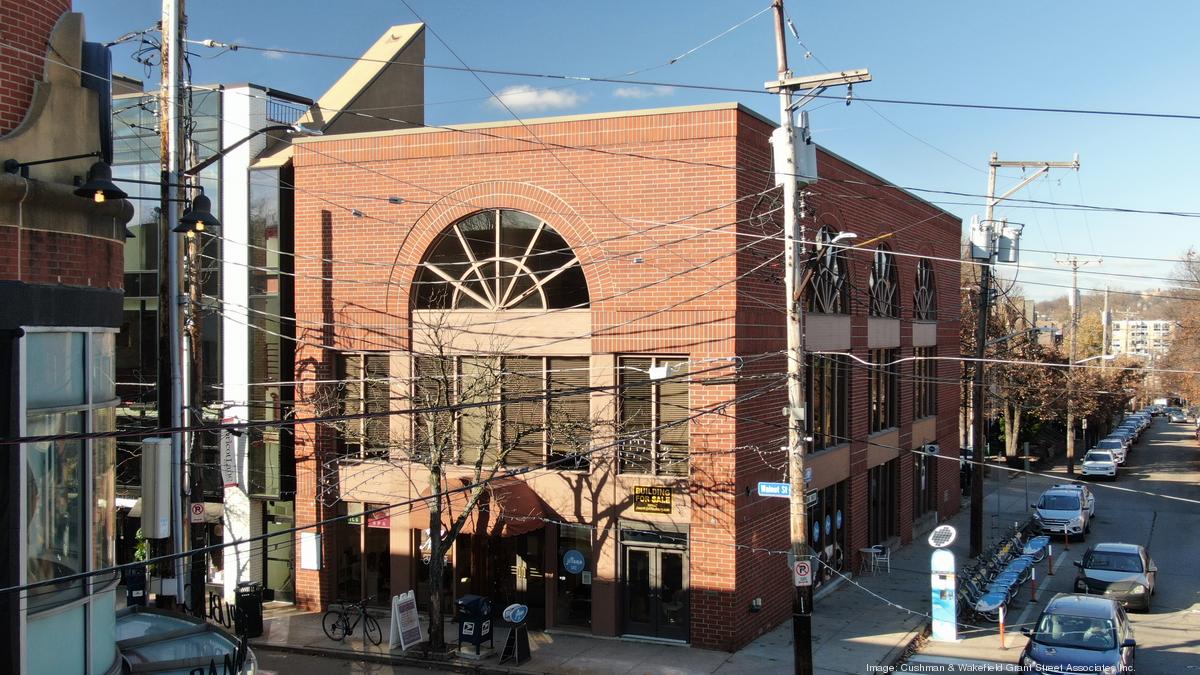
column 1042, row 168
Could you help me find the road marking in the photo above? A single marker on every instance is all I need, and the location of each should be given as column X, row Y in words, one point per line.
column 1023, row 618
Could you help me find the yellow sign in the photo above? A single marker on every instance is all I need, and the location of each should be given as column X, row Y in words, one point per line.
column 651, row 499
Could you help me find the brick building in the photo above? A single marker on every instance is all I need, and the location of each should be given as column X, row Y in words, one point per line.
column 630, row 265
column 60, row 306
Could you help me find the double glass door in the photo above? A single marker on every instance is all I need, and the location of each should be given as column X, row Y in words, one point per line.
column 656, row 592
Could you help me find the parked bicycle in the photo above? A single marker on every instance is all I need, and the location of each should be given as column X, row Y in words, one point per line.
column 340, row 623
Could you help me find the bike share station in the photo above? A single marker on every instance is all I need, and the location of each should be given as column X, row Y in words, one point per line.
column 988, row 587
column 943, row 584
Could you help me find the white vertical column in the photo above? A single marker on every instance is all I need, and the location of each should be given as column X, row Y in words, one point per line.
column 243, row 111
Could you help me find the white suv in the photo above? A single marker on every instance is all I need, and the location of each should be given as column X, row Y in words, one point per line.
column 1065, row 509
column 1099, row 463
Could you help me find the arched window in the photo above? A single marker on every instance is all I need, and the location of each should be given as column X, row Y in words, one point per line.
column 499, row 260
column 925, row 293
column 884, row 285
column 828, row 291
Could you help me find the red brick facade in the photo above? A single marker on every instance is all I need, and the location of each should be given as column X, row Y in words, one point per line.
column 24, row 34
column 672, row 217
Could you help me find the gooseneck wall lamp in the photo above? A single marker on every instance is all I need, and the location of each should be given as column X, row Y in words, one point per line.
column 98, row 187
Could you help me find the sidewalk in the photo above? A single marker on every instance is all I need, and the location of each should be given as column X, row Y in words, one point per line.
column 866, row 620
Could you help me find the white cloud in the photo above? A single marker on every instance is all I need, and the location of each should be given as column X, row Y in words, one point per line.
column 524, row 98
column 643, row 92
column 275, row 56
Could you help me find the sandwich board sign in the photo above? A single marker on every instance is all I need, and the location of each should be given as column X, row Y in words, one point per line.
column 405, row 630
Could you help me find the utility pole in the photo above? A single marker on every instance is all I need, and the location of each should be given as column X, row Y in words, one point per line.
column 171, row 397
column 788, row 172
column 986, row 238
column 1074, row 262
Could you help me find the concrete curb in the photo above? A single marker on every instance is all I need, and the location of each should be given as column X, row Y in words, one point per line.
column 901, row 652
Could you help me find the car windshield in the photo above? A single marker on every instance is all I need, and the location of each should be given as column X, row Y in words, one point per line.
column 1113, row 443
column 1098, row 457
column 1076, row 632
column 1059, row 503
column 1112, row 561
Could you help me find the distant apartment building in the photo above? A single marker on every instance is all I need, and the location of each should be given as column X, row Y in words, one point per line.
column 1142, row 337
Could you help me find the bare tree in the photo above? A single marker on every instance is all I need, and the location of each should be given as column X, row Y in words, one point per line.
column 472, row 416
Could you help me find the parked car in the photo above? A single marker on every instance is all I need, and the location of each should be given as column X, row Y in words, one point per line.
column 1177, row 415
column 1080, row 633
column 1065, row 510
column 1099, row 463
column 1085, row 494
column 1117, row 446
column 1123, row 572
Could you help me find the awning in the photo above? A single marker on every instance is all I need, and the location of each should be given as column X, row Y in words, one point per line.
column 508, row 507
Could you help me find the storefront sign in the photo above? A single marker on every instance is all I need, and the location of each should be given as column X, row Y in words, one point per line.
column 573, row 561
column 229, row 456
column 380, row 519
column 651, row 499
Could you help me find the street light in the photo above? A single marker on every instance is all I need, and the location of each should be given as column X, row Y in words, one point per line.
column 298, row 129
column 198, row 217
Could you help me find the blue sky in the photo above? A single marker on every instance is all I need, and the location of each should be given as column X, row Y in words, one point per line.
column 1099, row 55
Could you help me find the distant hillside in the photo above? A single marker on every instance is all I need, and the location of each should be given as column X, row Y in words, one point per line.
column 1153, row 304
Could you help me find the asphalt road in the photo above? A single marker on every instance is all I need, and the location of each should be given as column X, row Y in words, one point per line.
column 1166, row 464
column 1155, row 501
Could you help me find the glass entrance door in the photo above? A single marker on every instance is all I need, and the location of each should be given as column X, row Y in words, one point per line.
column 656, row 592
column 280, row 552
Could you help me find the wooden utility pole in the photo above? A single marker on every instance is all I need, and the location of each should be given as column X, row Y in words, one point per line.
column 1074, row 262
column 787, row 175
column 171, row 399
column 988, row 252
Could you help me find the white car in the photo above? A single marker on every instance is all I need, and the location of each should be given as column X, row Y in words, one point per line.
column 1114, row 445
column 1099, row 463
column 1178, row 416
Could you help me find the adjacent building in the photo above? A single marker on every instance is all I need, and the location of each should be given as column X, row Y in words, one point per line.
column 60, row 308
column 598, row 301
column 240, row 133
column 1142, row 337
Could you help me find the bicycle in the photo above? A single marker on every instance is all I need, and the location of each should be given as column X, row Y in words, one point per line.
column 339, row 624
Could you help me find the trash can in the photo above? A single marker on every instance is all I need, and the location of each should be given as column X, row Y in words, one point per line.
column 248, row 614
column 474, row 616
column 135, row 587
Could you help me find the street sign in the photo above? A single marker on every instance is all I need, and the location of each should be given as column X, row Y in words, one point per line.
column 774, row 490
column 802, row 572
column 197, row 511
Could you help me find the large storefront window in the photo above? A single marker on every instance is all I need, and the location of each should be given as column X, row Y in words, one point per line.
column 528, row 427
column 363, row 543
column 924, row 491
column 70, row 499
column 654, row 416
column 828, row 396
column 827, row 528
column 883, row 391
column 884, row 521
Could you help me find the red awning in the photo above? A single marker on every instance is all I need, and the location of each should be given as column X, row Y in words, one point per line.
column 508, row 507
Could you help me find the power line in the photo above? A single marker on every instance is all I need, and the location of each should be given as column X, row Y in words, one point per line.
column 739, row 90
